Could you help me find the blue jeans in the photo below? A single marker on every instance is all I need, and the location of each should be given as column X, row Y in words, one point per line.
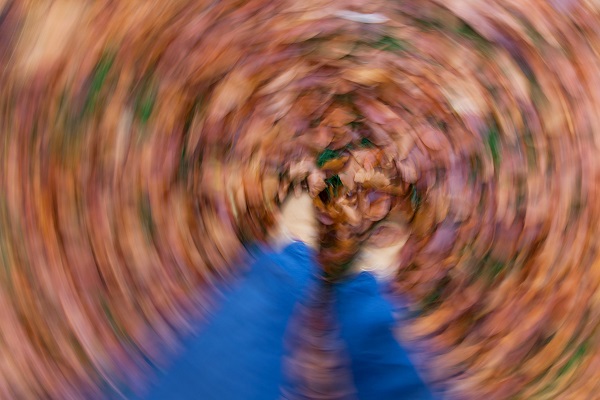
column 238, row 353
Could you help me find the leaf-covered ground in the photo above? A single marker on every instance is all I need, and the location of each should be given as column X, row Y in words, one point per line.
column 143, row 145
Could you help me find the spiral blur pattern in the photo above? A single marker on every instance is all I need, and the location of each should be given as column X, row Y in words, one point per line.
column 143, row 145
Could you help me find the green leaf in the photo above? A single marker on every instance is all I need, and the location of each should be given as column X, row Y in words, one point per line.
column 493, row 141
column 327, row 155
column 145, row 100
column 575, row 359
column 495, row 269
column 415, row 197
column 146, row 106
column 98, row 80
column 146, row 216
column 389, row 43
column 428, row 24
column 432, row 300
column 334, row 183
column 366, row 143
column 466, row 31
column 474, row 170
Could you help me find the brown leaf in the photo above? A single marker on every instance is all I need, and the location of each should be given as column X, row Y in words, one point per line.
column 335, row 164
column 432, row 137
column 367, row 75
column 379, row 207
column 316, row 182
column 299, row 170
column 229, row 95
column 352, row 215
column 375, row 111
column 270, row 186
column 338, row 117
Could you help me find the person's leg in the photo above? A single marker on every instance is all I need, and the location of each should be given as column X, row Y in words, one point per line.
column 238, row 353
column 380, row 366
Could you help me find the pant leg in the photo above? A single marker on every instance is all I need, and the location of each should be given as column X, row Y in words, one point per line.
column 238, row 354
column 380, row 366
